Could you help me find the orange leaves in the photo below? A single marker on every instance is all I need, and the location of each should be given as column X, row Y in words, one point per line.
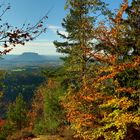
column 113, row 74
column 88, row 98
column 121, row 11
column 84, row 120
column 122, row 67
column 77, row 114
column 126, row 90
column 113, row 70
column 2, row 122
column 115, row 31
column 110, row 37
column 111, row 59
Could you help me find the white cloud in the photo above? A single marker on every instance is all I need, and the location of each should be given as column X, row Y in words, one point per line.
column 57, row 28
column 41, row 46
column 44, row 47
column 54, row 28
column 40, row 43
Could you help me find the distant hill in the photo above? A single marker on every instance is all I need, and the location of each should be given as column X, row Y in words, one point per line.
column 29, row 59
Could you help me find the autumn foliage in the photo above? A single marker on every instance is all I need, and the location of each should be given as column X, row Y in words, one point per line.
column 107, row 104
column 96, row 94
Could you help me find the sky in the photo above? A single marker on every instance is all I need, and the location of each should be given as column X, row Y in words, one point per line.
column 30, row 11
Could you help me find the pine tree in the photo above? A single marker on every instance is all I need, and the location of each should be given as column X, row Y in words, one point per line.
column 79, row 39
column 79, row 46
column 17, row 113
column 133, row 26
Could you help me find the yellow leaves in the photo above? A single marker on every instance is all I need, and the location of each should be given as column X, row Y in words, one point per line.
column 118, row 122
column 124, row 103
column 126, row 118
column 1, row 94
column 51, row 84
column 110, row 102
column 136, row 120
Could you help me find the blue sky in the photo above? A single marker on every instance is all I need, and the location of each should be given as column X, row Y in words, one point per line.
column 30, row 11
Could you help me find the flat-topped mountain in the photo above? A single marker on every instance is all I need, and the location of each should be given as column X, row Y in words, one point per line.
column 29, row 59
column 29, row 56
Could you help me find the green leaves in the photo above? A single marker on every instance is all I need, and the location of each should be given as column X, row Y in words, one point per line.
column 17, row 113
